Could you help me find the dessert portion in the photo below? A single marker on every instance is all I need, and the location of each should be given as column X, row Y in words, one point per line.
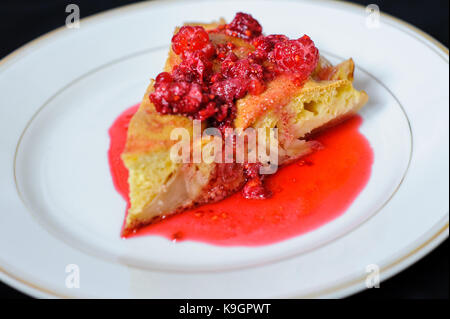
column 229, row 76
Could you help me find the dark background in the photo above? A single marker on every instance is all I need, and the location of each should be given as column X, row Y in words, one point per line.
column 23, row 20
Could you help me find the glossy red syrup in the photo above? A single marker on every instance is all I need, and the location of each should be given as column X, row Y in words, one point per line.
column 306, row 194
column 118, row 138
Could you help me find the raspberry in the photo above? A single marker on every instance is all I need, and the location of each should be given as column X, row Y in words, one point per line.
column 264, row 45
column 275, row 38
column 216, row 78
column 194, row 67
column 225, row 113
column 256, row 87
column 254, row 189
column 244, row 26
column 251, row 170
column 228, row 62
column 299, row 56
column 243, row 69
column 208, row 50
column 228, row 90
column 224, row 49
column 207, row 112
column 190, row 39
column 176, row 97
column 163, row 77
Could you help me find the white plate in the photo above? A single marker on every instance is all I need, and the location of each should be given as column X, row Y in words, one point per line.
column 60, row 93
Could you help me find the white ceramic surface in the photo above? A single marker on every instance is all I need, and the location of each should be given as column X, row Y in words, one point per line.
column 58, row 206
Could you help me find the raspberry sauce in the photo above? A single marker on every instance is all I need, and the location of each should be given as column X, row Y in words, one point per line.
column 306, row 194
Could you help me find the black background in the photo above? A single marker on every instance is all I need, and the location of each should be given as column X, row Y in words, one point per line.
column 23, row 20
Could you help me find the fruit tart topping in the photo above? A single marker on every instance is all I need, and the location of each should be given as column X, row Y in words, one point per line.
column 243, row 26
column 189, row 39
column 198, row 89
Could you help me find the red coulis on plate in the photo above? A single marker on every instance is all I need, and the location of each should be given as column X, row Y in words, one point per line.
column 306, row 194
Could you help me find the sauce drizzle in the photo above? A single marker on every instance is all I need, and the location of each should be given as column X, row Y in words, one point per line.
column 306, row 194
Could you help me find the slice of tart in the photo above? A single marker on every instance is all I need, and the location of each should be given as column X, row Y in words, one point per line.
column 229, row 76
